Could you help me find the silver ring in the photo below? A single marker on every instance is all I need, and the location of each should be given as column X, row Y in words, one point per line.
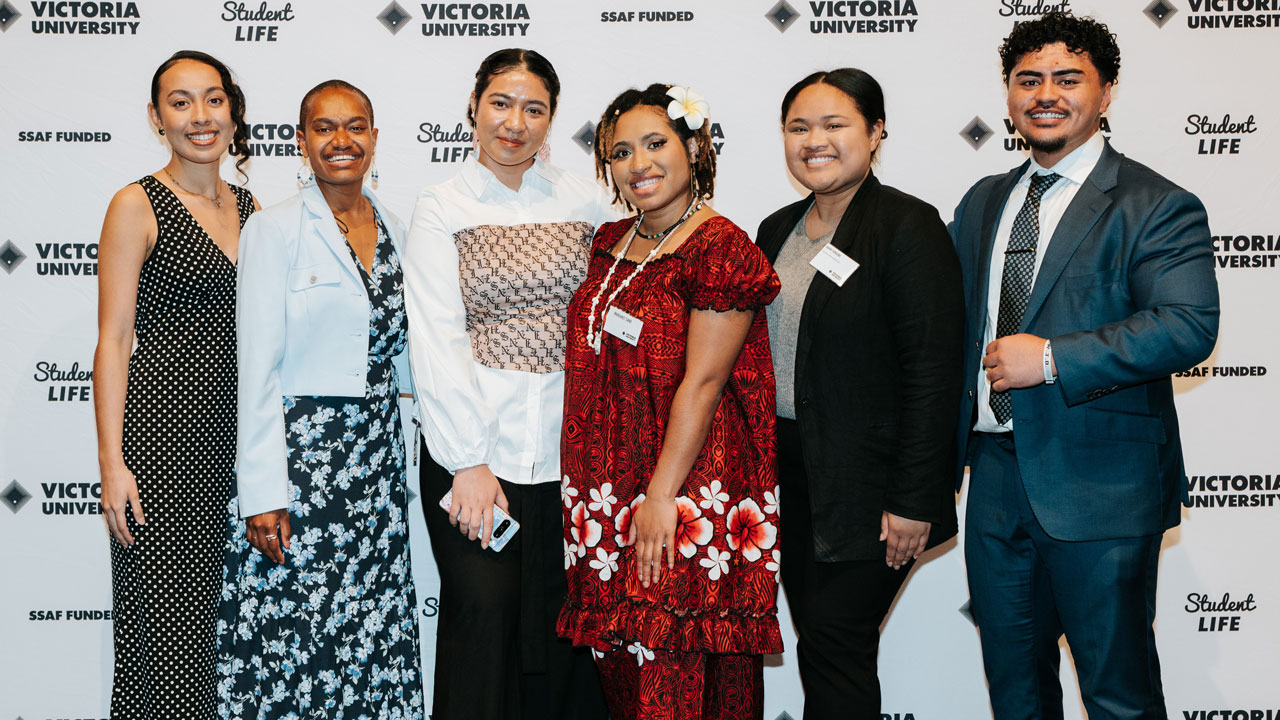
column 271, row 537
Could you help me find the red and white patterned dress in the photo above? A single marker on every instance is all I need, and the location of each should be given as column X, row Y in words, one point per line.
column 721, row 596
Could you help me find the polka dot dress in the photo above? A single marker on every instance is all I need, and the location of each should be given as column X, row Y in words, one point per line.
column 179, row 441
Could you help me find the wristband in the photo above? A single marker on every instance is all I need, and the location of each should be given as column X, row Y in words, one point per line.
column 1049, row 377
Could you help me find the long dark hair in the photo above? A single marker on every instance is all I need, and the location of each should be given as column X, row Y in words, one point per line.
column 510, row 59
column 703, row 167
column 240, row 138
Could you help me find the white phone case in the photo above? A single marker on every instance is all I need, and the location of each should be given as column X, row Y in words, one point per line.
column 504, row 526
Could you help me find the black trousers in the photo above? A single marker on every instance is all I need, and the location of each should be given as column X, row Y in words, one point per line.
column 497, row 654
column 837, row 607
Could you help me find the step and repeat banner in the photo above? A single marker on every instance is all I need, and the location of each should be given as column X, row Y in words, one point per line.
column 1196, row 101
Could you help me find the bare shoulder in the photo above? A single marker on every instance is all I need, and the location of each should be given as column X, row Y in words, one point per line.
column 130, row 218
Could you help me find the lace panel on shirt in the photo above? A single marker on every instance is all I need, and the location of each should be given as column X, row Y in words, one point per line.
column 516, row 283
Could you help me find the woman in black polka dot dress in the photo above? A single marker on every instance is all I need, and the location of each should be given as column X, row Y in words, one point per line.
column 166, row 411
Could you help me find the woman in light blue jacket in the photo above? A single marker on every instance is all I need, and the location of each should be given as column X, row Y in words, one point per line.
column 318, row 607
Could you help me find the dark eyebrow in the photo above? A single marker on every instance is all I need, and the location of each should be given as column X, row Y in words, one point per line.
column 334, row 121
column 508, row 98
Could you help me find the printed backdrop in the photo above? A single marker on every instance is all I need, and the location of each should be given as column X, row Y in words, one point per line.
column 1194, row 101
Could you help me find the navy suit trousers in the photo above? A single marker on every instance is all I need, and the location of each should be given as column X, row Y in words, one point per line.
column 1028, row 589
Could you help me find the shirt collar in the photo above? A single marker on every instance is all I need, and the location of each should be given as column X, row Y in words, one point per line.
column 1076, row 166
column 480, row 179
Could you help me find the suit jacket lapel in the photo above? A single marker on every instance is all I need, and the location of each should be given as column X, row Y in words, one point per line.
column 1082, row 214
column 772, row 244
column 986, row 243
column 324, row 225
column 846, row 239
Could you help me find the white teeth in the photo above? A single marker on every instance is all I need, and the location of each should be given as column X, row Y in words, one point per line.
column 342, row 158
column 202, row 136
column 645, row 183
column 818, row 160
column 1041, row 115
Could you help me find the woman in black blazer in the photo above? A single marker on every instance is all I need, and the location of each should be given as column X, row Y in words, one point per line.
column 866, row 336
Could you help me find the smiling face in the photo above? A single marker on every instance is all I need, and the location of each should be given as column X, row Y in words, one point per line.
column 337, row 138
column 649, row 164
column 828, row 141
column 194, row 112
column 1056, row 98
column 512, row 118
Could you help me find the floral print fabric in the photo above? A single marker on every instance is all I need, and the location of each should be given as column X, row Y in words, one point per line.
column 333, row 632
column 720, row 597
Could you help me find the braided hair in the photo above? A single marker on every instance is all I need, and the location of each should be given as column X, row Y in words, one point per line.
column 703, row 168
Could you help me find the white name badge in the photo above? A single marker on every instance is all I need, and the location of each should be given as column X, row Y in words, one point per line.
column 623, row 324
column 834, row 264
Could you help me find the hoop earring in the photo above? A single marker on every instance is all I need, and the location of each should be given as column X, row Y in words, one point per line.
column 305, row 176
column 544, row 152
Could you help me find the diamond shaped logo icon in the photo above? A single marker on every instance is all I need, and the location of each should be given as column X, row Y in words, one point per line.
column 976, row 133
column 784, row 715
column 10, row 256
column 1160, row 11
column 782, row 15
column 586, row 137
column 394, row 17
column 8, row 14
column 412, row 495
column 14, row 496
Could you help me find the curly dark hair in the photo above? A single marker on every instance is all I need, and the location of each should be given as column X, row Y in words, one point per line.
column 1079, row 34
column 655, row 96
column 506, row 60
column 240, row 138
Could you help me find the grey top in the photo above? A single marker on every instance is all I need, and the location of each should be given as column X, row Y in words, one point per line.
column 795, row 274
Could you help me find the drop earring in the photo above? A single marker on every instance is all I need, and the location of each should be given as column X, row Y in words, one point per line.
column 544, row 152
column 373, row 176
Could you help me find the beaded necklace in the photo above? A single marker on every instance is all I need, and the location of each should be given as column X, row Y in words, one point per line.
column 594, row 337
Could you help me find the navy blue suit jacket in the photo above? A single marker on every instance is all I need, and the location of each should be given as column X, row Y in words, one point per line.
column 1127, row 295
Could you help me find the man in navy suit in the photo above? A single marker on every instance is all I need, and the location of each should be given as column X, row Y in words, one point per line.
column 1088, row 280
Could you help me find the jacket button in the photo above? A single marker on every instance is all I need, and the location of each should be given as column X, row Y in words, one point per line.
column 313, row 280
column 977, row 344
column 970, row 393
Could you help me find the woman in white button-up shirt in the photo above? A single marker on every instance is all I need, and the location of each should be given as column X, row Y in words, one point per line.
column 493, row 258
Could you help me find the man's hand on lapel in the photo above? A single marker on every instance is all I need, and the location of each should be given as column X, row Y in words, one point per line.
column 1016, row 361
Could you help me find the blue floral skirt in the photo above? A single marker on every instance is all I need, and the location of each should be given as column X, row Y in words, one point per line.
column 333, row 632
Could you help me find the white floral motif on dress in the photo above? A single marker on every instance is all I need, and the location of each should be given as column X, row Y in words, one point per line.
column 606, row 562
column 603, row 499
column 567, row 492
column 713, row 497
column 775, row 565
column 626, row 534
column 692, row 529
column 570, row 554
column 641, row 652
column 748, row 530
column 585, row 531
column 771, row 499
column 716, row 562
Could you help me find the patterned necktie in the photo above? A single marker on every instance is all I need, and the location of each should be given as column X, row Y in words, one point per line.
column 1019, row 271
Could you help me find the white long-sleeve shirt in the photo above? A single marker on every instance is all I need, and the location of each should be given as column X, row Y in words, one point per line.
column 489, row 273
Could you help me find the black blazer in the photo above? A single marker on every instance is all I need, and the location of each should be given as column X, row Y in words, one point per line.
column 878, row 371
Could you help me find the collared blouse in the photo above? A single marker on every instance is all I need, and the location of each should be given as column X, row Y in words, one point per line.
column 489, row 272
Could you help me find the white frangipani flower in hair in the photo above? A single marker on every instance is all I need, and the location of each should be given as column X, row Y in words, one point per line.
column 689, row 105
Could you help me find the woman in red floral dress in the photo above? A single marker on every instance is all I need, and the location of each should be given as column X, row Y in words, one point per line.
column 671, row 512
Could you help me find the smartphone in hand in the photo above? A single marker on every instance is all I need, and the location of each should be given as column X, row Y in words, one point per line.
column 504, row 526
